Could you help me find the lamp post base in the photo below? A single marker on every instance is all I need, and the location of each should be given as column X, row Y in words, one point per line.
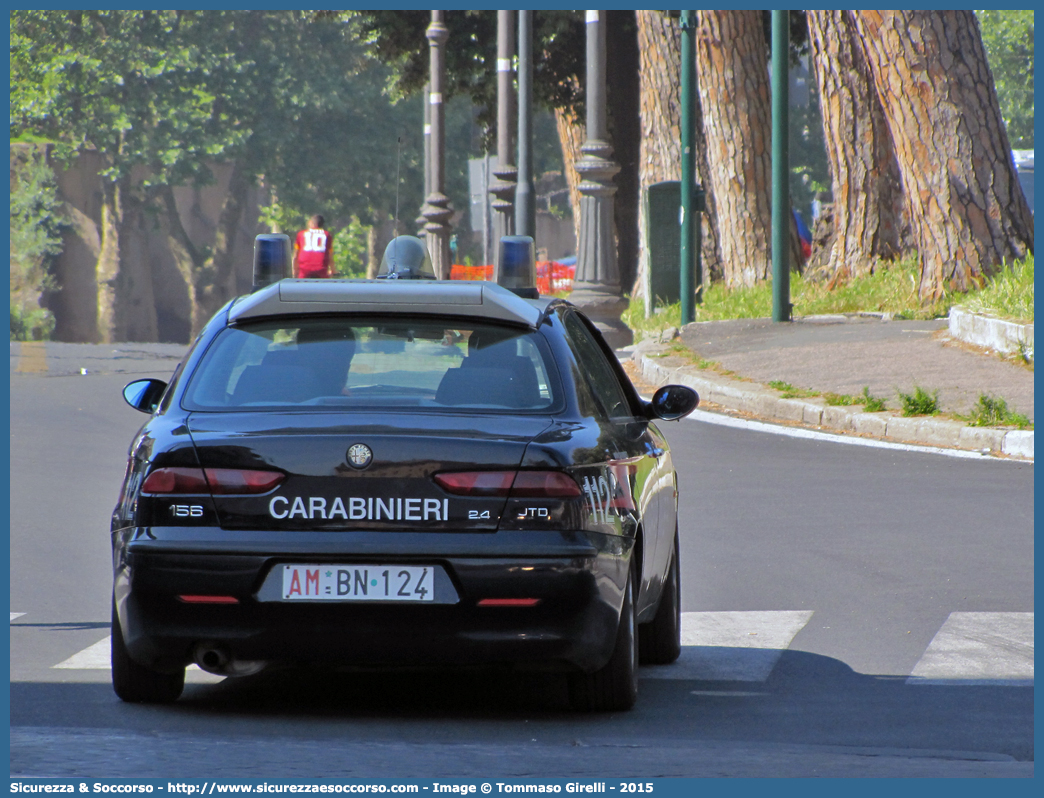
column 603, row 305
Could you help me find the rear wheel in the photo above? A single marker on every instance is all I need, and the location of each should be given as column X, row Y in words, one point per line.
column 659, row 640
column 613, row 687
column 138, row 684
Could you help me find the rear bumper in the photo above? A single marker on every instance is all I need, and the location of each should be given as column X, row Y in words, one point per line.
column 578, row 578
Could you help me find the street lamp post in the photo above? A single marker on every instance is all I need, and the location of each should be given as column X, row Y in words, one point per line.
column 525, row 192
column 597, row 287
column 420, row 221
column 437, row 209
column 503, row 189
column 781, row 307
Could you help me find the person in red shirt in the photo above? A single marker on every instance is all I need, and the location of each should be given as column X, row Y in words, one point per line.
column 313, row 250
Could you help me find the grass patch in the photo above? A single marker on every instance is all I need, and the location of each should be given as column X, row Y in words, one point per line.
column 1008, row 295
column 920, row 402
column 870, row 403
column 841, row 399
column 892, row 288
column 788, row 391
column 993, row 412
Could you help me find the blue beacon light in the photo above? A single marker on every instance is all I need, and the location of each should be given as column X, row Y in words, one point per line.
column 271, row 259
column 517, row 270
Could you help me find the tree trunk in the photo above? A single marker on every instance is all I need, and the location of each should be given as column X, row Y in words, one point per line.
column 136, row 299
column 107, row 268
column 571, row 137
column 659, row 45
column 186, row 257
column 625, row 135
column 867, row 187
column 732, row 71
column 967, row 209
column 373, row 255
column 215, row 282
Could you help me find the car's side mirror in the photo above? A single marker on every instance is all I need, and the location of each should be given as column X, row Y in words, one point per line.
column 144, row 395
column 672, row 402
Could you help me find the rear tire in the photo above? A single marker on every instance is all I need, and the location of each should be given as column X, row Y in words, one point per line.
column 135, row 683
column 613, row 687
column 659, row 640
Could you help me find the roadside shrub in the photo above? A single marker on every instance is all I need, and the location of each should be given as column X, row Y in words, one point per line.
column 920, row 402
column 993, row 412
column 872, row 404
column 37, row 223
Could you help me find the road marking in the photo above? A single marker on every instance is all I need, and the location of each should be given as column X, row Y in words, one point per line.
column 707, row 417
column 979, row 648
column 731, row 646
column 94, row 657
column 971, row 648
column 32, row 357
column 16, row 615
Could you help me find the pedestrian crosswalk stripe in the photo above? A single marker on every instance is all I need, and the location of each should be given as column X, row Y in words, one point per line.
column 970, row 648
column 16, row 615
column 731, row 646
column 979, row 648
column 94, row 658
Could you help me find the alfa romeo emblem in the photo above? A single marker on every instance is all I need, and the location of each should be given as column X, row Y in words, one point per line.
column 359, row 455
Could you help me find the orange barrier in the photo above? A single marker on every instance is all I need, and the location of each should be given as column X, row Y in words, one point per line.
column 459, row 271
column 552, row 277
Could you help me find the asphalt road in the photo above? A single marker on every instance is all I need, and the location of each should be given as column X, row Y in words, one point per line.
column 852, row 612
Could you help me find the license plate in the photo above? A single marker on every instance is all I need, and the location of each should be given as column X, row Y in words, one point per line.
column 358, row 583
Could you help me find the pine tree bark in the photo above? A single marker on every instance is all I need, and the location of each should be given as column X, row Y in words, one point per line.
column 216, row 280
column 125, row 305
column 187, row 257
column 866, row 183
column 107, row 269
column 659, row 47
column 732, row 71
column 571, row 137
column 967, row 209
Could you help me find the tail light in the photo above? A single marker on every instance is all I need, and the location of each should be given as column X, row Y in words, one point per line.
column 219, row 481
column 517, row 484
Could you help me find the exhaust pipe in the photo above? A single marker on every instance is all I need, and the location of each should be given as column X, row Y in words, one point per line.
column 214, row 659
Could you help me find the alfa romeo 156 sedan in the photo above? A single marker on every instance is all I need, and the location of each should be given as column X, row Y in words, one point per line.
column 397, row 473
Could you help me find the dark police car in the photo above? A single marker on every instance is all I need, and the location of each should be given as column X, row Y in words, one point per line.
column 397, row 472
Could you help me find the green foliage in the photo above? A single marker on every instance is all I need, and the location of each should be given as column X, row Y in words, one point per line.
column 134, row 85
column 841, row 399
column 291, row 95
column 809, row 168
column 993, row 412
column 37, row 223
column 892, row 288
column 350, row 249
column 870, row 403
column 1008, row 39
column 790, row 392
column 920, row 402
column 1008, row 294
column 29, row 323
column 397, row 38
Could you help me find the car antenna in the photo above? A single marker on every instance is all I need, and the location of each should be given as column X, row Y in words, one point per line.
column 398, row 162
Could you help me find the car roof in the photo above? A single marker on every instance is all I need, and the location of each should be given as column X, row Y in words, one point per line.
column 471, row 298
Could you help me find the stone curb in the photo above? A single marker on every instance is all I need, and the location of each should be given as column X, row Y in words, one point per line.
column 991, row 333
column 659, row 368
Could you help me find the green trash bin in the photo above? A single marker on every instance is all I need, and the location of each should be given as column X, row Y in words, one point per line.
column 663, row 242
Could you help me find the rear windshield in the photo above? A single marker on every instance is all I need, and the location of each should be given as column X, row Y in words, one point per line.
column 324, row 363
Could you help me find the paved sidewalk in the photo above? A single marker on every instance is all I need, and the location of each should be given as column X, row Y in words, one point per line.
column 843, row 354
